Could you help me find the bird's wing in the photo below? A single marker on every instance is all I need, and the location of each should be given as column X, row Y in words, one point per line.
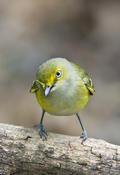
column 88, row 83
column 35, row 86
column 85, row 78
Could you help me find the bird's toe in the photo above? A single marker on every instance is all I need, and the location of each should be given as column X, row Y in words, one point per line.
column 84, row 135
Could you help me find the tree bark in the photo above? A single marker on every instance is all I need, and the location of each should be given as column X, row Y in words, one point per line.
column 23, row 152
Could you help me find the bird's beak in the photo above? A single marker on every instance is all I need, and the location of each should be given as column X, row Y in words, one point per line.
column 48, row 88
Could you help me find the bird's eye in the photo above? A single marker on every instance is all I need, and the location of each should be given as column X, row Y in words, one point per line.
column 58, row 74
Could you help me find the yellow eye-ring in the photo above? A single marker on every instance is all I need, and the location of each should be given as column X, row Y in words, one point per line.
column 58, row 74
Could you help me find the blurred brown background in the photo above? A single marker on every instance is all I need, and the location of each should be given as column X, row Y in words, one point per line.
column 86, row 32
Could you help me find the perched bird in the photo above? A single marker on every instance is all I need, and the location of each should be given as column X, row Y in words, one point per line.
column 61, row 88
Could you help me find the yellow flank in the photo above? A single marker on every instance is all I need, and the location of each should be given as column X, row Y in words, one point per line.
column 62, row 87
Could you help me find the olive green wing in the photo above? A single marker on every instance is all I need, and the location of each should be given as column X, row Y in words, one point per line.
column 88, row 83
column 35, row 86
column 85, row 78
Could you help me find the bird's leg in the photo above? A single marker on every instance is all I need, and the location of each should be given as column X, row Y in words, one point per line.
column 42, row 131
column 84, row 133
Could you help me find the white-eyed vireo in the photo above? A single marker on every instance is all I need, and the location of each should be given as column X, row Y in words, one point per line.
column 61, row 88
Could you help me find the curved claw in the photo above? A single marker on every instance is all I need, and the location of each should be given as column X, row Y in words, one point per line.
column 84, row 135
column 42, row 131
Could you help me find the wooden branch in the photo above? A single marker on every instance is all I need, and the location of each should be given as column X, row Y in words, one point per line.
column 23, row 152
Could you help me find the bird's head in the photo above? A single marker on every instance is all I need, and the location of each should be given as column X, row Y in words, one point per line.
column 52, row 74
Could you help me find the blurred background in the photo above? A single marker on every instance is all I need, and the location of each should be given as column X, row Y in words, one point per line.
column 86, row 32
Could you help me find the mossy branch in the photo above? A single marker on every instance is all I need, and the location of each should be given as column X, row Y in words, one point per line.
column 23, row 152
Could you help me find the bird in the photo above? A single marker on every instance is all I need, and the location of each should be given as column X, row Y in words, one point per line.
column 62, row 88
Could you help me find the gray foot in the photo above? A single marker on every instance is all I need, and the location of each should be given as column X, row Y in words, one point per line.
column 42, row 132
column 84, row 135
